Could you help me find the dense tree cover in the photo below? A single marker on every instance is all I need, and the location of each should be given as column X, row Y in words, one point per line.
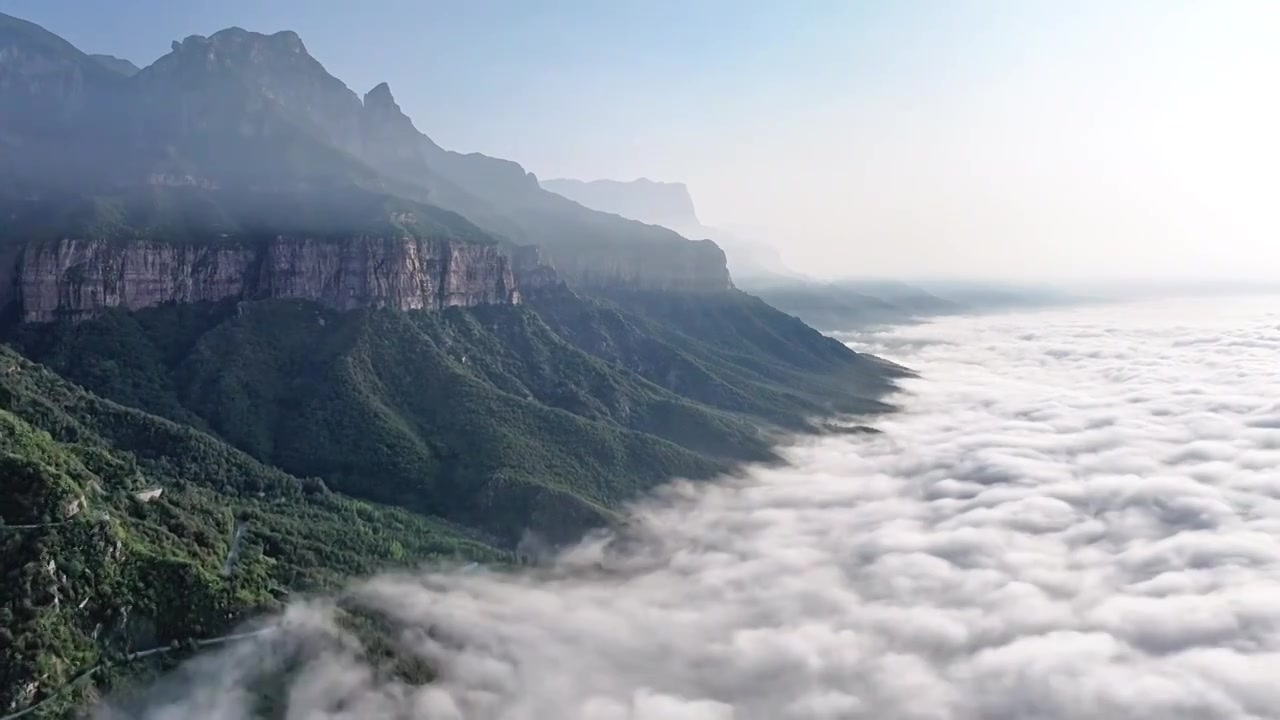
column 89, row 572
column 485, row 416
column 503, row 418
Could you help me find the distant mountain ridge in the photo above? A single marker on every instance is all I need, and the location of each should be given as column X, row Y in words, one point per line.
column 668, row 204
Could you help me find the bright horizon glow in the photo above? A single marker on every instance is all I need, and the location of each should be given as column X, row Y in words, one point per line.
column 1018, row 140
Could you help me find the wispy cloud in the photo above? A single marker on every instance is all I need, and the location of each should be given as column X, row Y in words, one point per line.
column 1076, row 516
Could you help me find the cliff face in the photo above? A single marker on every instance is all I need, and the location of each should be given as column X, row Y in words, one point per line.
column 78, row 278
column 691, row 266
column 532, row 274
column 661, row 203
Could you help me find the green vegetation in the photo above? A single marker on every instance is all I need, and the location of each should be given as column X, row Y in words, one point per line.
column 727, row 350
column 91, row 572
column 501, row 418
column 484, row 416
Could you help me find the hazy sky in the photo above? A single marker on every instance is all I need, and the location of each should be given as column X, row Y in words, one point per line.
column 1014, row 138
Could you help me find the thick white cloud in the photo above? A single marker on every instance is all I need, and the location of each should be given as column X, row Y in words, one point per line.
column 1076, row 515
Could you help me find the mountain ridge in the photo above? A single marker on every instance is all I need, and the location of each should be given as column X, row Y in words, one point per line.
column 284, row 338
column 243, row 109
column 670, row 204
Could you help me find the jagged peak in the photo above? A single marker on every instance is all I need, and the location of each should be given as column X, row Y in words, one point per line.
column 380, row 97
column 284, row 39
column 236, row 38
column 290, row 40
column 279, row 63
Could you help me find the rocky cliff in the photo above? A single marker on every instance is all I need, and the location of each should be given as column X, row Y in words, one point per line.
column 661, row 203
column 692, row 266
column 78, row 278
column 533, row 274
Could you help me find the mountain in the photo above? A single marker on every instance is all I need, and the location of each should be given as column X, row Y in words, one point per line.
column 271, row 335
column 56, row 107
column 45, row 81
column 247, row 180
column 115, row 64
column 241, row 107
column 506, row 418
column 590, row 249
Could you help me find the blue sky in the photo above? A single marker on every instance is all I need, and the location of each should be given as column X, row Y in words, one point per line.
column 1014, row 138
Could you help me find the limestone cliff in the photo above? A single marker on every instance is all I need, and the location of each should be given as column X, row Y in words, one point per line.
column 690, row 266
column 77, row 278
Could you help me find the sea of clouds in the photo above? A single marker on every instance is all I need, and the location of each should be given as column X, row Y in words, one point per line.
column 1076, row 515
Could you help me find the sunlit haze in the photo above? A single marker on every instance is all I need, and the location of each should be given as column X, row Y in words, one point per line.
column 639, row 359
column 1031, row 140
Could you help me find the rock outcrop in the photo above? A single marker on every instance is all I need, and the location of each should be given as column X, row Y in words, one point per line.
column 78, row 278
column 661, row 203
column 691, row 266
column 533, row 275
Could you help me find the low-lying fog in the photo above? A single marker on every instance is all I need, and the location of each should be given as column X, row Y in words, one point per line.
column 1076, row 515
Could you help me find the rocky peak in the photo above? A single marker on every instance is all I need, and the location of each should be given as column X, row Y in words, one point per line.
column 276, row 67
column 389, row 140
column 380, row 98
column 383, row 117
column 236, row 44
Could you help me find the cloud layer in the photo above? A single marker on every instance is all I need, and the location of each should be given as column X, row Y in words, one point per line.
column 1077, row 515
